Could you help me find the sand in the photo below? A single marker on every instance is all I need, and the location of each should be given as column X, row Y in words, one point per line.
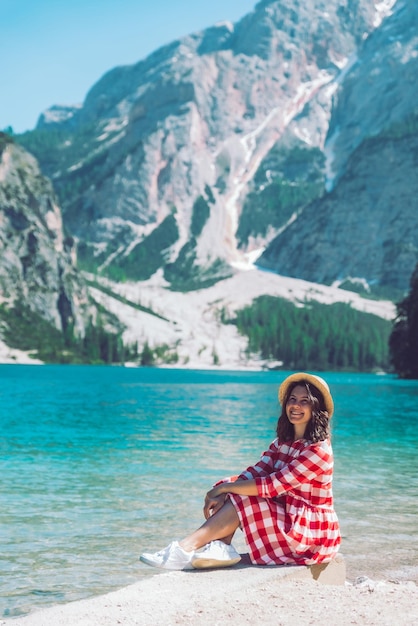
column 237, row 596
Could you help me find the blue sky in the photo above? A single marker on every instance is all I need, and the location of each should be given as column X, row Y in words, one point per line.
column 53, row 51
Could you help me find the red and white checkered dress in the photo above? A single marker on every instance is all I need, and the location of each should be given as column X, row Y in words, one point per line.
column 292, row 520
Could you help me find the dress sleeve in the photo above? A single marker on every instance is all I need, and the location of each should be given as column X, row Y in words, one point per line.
column 313, row 461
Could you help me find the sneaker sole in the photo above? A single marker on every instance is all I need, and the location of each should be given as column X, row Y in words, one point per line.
column 152, row 563
column 208, row 563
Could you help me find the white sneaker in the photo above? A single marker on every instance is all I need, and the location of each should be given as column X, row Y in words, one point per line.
column 171, row 557
column 215, row 554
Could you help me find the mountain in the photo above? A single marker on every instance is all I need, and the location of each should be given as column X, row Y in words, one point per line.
column 287, row 140
column 222, row 146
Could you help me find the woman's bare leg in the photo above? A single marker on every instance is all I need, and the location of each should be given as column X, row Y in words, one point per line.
column 221, row 525
column 228, row 539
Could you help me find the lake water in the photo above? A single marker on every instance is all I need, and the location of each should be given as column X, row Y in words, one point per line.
column 100, row 463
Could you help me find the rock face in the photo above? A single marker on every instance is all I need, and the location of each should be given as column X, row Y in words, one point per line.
column 367, row 226
column 229, row 142
column 379, row 89
column 36, row 268
column 369, row 221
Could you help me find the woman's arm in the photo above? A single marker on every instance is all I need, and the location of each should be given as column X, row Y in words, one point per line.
column 240, row 487
column 215, row 498
column 314, row 464
column 314, row 461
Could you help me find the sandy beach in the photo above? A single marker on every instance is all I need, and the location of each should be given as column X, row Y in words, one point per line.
column 235, row 596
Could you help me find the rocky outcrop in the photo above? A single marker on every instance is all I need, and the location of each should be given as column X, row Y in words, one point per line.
column 379, row 88
column 365, row 229
column 37, row 267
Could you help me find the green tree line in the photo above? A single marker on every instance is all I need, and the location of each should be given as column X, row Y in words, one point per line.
column 315, row 336
column 26, row 330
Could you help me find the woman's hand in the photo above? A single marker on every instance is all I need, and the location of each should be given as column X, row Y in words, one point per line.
column 214, row 500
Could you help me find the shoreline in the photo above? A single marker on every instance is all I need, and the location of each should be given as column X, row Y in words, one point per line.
column 243, row 594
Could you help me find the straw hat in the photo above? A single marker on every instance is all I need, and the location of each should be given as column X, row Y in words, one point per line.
column 317, row 381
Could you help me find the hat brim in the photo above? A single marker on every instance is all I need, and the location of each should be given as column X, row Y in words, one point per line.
column 317, row 381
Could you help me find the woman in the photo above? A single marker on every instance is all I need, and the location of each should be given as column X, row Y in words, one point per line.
column 283, row 504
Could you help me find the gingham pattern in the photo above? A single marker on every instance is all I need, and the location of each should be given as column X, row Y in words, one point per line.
column 293, row 519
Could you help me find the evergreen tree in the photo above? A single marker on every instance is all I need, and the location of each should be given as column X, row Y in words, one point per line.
column 403, row 342
column 147, row 355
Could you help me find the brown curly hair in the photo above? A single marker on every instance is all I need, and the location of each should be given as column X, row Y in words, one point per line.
column 318, row 427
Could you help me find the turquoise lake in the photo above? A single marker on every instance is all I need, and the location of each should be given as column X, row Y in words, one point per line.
column 98, row 464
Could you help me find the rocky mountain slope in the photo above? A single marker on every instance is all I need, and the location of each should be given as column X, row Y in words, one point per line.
column 37, row 263
column 366, row 226
column 37, row 272
column 46, row 309
column 225, row 143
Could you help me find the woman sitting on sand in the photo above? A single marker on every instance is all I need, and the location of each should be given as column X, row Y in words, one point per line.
column 283, row 504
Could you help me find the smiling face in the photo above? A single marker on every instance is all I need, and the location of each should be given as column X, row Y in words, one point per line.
column 299, row 409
